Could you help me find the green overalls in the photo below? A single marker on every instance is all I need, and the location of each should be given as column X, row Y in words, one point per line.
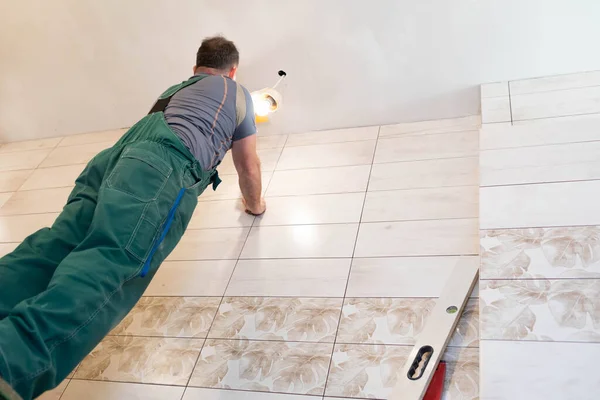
column 65, row 287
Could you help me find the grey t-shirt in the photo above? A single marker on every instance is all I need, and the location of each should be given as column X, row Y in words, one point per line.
column 209, row 115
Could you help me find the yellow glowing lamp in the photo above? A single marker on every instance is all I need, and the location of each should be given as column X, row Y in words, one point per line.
column 267, row 101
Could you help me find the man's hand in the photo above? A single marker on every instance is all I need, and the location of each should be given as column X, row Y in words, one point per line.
column 247, row 164
column 255, row 209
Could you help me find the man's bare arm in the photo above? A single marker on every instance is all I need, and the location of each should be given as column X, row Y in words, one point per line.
column 247, row 164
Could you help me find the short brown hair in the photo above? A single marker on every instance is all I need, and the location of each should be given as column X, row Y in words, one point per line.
column 217, row 52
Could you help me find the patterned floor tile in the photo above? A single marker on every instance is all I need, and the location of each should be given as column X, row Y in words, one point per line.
column 272, row 318
column 167, row 361
column 283, row 367
column 170, row 317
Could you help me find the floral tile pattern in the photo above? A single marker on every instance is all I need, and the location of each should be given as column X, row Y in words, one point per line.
column 399, row 321
column 567, row 252
column 541, row 309
column 170, row 317
column 371, row 371
column 167, row 361
column 272, row 318
column 267, row 366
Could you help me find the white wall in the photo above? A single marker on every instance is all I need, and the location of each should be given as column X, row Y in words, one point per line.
column 69, row 66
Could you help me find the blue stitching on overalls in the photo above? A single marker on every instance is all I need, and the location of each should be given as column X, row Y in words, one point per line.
column 168, row 222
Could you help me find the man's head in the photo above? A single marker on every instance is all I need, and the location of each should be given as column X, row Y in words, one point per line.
column 217, row 56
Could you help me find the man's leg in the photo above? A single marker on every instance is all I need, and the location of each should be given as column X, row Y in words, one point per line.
column 97, row 284
column 27, row 271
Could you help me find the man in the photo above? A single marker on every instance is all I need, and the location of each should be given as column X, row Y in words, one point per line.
column 65, row 287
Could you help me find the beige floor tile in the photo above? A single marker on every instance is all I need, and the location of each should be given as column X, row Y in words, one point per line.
column 418, row 238
column 93, row 137
column 277, row 318
column 548, row 204
column 170, row 317
column 427, row 147
column 284, row 367
column 554, row 163
column 70, row 155
column 333, row 136
column 97, row 390
column 6, row 248
column 541, row 309
column 495, row 109
column 400, row 321
column 167, row 361
column 220, row 214
column 268, row 161
column 229, row 189
column 56, row 393
column 301, row 241
column 15, row 228
column 495, row 89
column 22, row 159
column 556, row 82
column 425, row 174
column 30, row 145
column 433, row 126
column 4, row 198
column 402, row 276
column 371, row 371
column 585, row 100
column 300, row 278
column 566, row 371
column 210, row 244
column 315, row 209
column 571, row 252
column 320, row 181
column 191, row 278
column 417, row 204
column 36, row 201
column 56, row 177
column 226, row 394
column 327, row 155
column 11, row 181
column 271, row 142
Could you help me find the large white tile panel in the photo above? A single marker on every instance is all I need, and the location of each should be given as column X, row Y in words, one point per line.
column 270, row 142
column 56, row 393
column 433, row 126
column 557, row 103
column 538, row 205
column 538, row 370
column 333, row 136
column 300, row 278
column 498, row 136
column 268, row 160
column 319, row 181
column 301, row 241
column 4, row 197
column 229, row 189
column 55, row 177
column 15, row 228
column 30, row 145
column 418, row 238
column 220, row 214
column 93, row 137
column 495, row 89
column 425, row 174
column 210, row 244
column 6, row 248
column 556, row 82
column 496, row 109
column 402, row 276
column 191, row 278
column 216, row 394
column 98, row 390
column 11, row 181
column 70, row 155
column 23, row 159
column 36, row 201
column 416, row 204
column 313, row 209
column 427, row 147
column 327, row 155
column 554, row 163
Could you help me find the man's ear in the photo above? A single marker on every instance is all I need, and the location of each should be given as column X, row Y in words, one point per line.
column 194, row 69
column 232, row 72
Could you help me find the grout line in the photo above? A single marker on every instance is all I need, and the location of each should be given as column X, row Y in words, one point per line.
column 510, row 103
column 66, row 387
column 528, row 146
column 553, row 117
column 543, row 278
column 426, row 132
column 538, row 341
column 293, row 146
column 539, row 183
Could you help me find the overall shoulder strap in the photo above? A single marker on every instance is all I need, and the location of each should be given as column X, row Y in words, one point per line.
column 165, row 98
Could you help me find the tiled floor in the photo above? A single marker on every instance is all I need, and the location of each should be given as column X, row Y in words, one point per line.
column 322, row 297
column 540, row 254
